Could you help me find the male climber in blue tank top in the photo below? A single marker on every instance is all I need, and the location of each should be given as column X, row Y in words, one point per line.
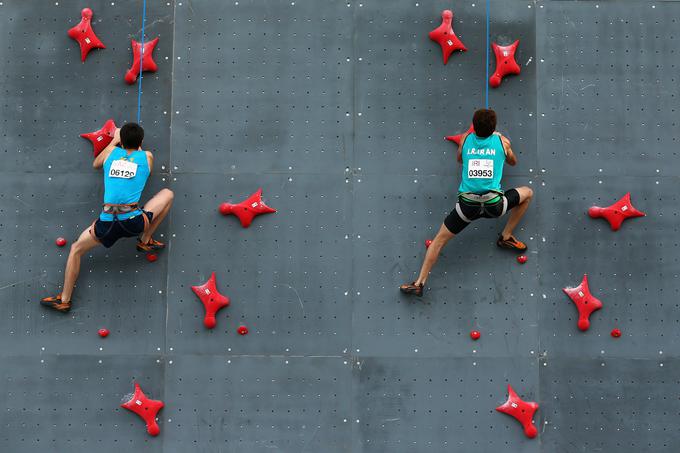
column 482, row 154
column 126, row 170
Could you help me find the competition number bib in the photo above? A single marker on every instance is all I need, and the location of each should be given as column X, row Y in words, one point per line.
column 123, row 169
column 480, row 169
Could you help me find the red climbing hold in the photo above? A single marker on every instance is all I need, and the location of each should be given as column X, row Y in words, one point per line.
column 445, row 37
column 616, row 333
column 151, row 257
column 212, row 300
column 616, row 213
column 147, row 61
column 103, row 333
column 60, row 242
column 84, row 34
column 428, row 243
column 505, row 63
column 100, row 139
column 475, row 334
column 146, row 408
column 585, row 302
column 248, row 209
column 522, row 259
column 242, row 330
column 457, row 138
column 523, row 411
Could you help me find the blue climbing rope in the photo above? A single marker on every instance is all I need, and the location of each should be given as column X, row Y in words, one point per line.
column 486, row 80
column 141, row 65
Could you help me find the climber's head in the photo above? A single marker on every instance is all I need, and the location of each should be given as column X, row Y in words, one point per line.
column 484, row 122
column 131, row 136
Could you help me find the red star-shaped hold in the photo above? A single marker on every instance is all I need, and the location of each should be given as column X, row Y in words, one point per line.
column 523, row 411
column 146, row 408
column 248, row 209
column 585, row 302
column 212, row 300
column 146, row 61
column 100, row 139
column 84, row 34
column 445, row 37
column 457, row 138
column 616, row 213
column 505, row 63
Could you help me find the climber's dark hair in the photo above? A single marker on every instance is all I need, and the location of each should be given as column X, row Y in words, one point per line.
column 131, row 136
column 484, row 122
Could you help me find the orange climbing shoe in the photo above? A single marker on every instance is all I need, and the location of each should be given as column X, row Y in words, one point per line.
column 149, row 246
column 56, row 303
column 412, row 288
column 511, row 243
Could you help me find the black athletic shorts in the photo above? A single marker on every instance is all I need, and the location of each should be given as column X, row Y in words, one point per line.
column 467, row 211
column 109, row 232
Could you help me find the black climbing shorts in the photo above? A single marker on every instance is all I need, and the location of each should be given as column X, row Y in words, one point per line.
column 466, row 211
column 109, row 232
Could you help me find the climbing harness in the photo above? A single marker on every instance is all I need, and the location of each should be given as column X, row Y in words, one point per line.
column 484, row 202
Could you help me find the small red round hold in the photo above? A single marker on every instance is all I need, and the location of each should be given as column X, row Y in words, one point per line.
column 242, row 330
column 522, row 259
column 475, row 334
column 103, row 333
column 151, row 257
column 428, row 242
column 60, row 242
column 616, row 333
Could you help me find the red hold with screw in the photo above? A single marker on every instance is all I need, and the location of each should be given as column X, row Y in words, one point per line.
column 445, row 37
column 146, row 408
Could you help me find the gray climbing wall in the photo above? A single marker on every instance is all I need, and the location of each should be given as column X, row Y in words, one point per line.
column 338, row 110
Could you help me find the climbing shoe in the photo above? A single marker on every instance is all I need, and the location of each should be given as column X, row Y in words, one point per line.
column 412, row 288
column 511, row 243
column 149, row 246
column 56, row 303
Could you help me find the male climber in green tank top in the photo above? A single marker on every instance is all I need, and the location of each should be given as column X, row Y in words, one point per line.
column 126, row 170
column 482, row 154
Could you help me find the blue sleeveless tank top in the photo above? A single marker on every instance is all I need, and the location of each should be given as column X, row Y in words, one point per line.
column 483, row 160
column 119, row 186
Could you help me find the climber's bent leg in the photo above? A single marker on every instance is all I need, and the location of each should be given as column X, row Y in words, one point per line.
column 518, row 202
column 158, row 206
column 454, row 223
column 62, row 302
column 440, row 240
column 85, row 243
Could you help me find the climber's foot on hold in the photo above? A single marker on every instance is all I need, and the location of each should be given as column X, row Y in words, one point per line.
column 150, row 245
column 510, row 242
column 56, row 303
column 412, row 288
